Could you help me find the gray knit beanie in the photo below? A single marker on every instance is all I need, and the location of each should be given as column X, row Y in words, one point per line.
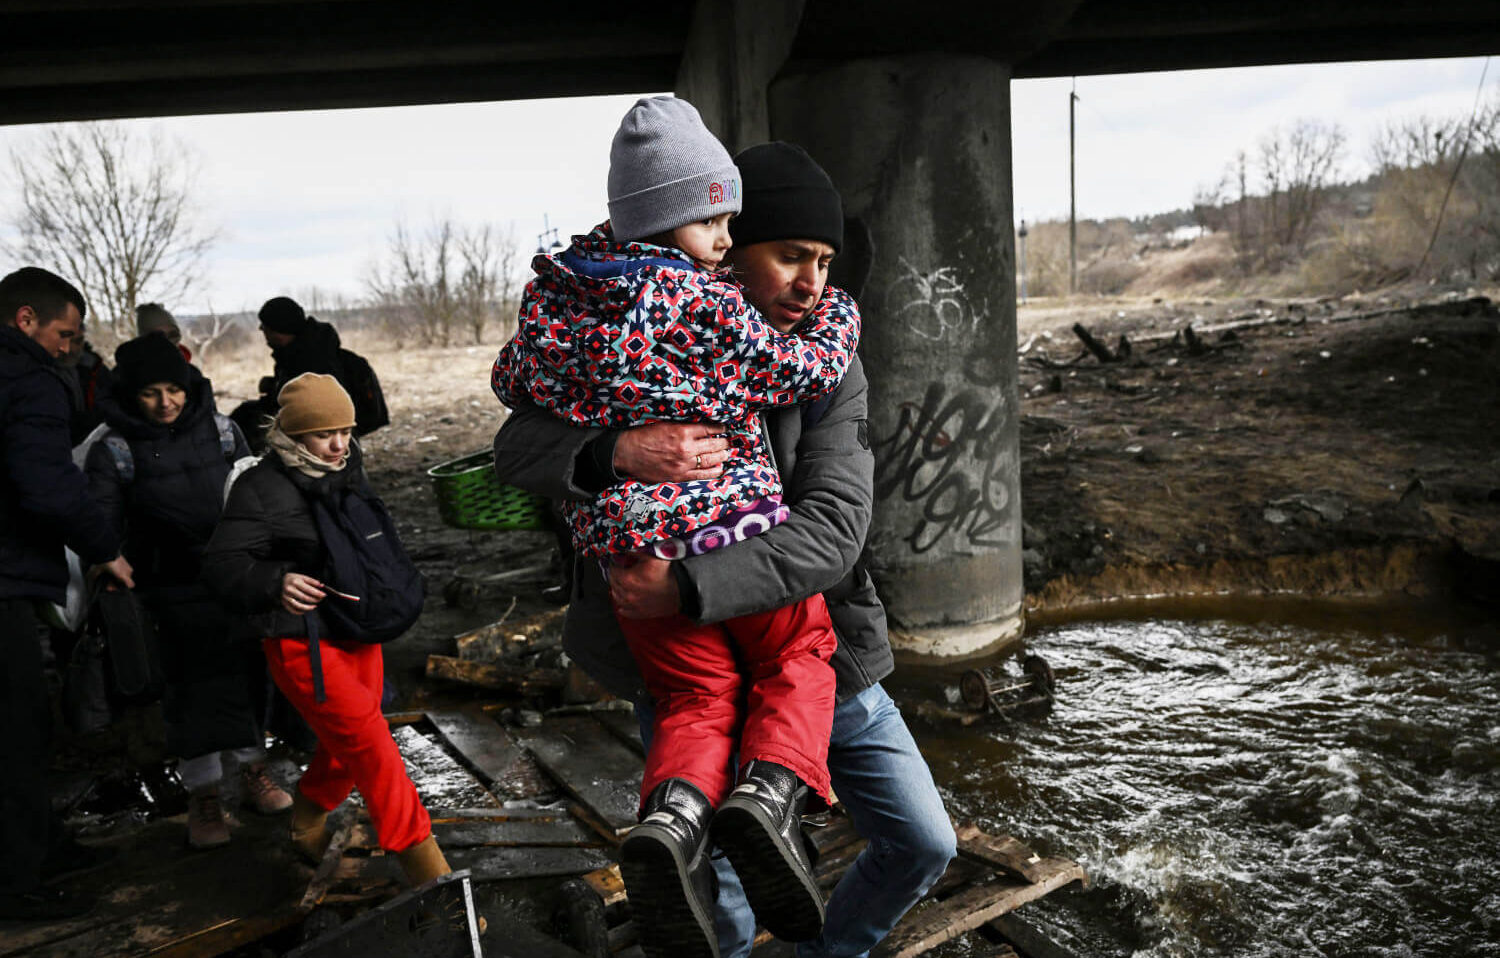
column 666, row 170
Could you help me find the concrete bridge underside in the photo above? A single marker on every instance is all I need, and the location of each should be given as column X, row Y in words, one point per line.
column 907, row 106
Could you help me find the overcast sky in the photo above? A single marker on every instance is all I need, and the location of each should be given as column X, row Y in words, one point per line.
column 309, row 199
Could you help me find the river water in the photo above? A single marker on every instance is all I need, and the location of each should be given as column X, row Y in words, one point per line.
column 1298, row 780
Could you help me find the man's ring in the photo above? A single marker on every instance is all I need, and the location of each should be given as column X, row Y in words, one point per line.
column 698, row 460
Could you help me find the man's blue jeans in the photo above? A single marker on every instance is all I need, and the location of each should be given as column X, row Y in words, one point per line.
column 884, row 783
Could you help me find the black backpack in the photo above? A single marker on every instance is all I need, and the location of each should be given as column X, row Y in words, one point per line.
column 364, row 558
column 357, row 376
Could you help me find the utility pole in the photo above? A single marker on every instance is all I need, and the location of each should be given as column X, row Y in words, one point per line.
column 1072, row 196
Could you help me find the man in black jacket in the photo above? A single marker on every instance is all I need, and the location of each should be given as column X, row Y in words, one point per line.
column 301, row 344
column 784, row 239
column 44, row 505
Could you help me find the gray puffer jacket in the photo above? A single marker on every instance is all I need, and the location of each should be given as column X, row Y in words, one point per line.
column 823, row 453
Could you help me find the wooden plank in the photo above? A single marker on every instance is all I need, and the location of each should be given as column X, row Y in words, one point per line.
column 565, row 833
column 623, row 725
column 515, row 679
column 483, row 743
column 960, row 872
column 932, row 923
column 440, row 780
column 520, row 813
column 591, row 765
column 493, row 864
column 1001, row 852
column 836, row 833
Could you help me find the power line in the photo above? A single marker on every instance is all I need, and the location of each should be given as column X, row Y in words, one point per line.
column 1463, row 152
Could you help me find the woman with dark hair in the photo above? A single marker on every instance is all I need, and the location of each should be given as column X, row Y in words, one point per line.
column 158, row 471
column 269, row 559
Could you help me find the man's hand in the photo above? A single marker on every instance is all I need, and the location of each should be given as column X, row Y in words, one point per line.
column 672, row 451
column 643, row 587
column 117, row 569
column 300, row 594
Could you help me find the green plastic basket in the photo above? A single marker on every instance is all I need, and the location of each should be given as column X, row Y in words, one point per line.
column 469, row 496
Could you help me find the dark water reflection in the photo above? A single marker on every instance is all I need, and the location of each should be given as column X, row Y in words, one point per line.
column 1305, row 780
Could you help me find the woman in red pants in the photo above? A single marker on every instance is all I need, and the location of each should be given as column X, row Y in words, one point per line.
column 266, row 558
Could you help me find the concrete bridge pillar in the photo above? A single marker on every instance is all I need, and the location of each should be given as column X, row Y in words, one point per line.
column 920, row 148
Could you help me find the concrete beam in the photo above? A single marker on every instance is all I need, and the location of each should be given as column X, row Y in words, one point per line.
column 733, row 50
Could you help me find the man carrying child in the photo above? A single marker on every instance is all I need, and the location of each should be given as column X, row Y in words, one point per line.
column 789, row 231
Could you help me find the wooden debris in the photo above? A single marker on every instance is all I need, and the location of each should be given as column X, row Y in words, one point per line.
column 937, row 921
column 1100, row 351
column 1195, row 345
column 1004, row 853
column 559, row 833
column 591, row 765
column 623, row 725
column 515, row 679
column 493, row 864
column 484, row 744
column 440, row 780
column 328, row 867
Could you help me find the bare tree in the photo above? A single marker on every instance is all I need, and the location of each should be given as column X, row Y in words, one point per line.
column 207, row 330
column 1297, row 165
column 447, row 279
column 113, row 210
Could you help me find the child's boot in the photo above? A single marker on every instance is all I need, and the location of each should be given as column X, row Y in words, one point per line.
column 668, row 878
column 759, row 828
column 309, row 827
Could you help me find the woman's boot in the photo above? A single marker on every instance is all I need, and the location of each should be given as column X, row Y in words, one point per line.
column 759, row 828
column 423, row 862
column 668, row 878
column 309, row 827
column 206, row 825
column 262, row 792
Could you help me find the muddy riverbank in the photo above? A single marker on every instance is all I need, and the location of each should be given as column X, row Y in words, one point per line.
column 1345, row 447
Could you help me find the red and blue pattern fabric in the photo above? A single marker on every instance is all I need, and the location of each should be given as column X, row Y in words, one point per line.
column 615, row 335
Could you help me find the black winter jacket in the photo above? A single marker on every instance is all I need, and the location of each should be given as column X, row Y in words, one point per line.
column 168, row 510
column 44, row 500
column 827, row 469
column 267, row 531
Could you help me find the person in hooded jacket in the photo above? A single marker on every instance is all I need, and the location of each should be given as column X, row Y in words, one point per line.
column 158, row 472
column 301, row 344
column 266, row 559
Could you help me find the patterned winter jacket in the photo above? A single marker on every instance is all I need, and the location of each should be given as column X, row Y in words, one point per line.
column 616, row 334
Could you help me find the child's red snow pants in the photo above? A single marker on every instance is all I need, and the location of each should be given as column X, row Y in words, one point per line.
column 765, row 678
column 355, row 747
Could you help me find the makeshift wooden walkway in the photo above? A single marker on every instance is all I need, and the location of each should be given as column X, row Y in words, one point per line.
column 162, row 899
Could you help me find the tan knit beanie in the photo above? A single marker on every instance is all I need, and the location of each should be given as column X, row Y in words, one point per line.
column 313, row 402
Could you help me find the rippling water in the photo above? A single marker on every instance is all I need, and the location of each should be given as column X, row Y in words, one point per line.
column 1317, row 782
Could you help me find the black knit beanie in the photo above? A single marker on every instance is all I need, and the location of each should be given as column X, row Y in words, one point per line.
column 787, row 196
column 149, row 359
column 283, row 315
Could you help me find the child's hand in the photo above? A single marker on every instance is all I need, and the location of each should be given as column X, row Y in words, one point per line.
column 672, row 452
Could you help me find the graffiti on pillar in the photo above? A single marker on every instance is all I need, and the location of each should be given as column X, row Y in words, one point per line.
column 948, row 455
column 932, row 304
